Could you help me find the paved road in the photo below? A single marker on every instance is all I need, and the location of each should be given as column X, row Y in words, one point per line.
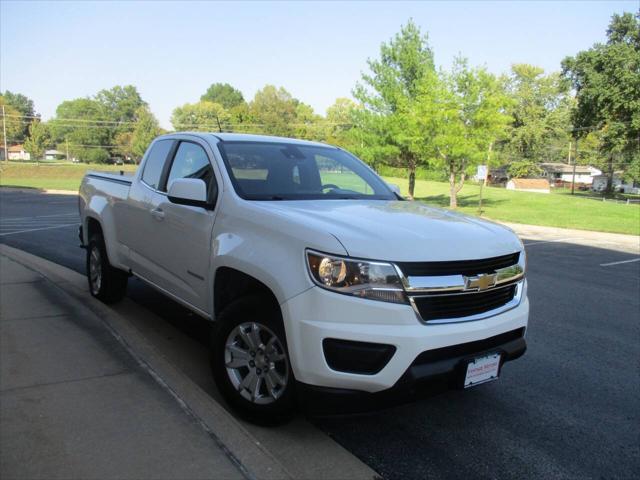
column 569, row 408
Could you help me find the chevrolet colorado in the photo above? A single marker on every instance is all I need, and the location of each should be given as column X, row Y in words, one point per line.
column 322, row 282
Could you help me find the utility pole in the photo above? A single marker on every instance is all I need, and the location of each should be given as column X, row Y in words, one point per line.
column 4, row 134
column 66, row 140
column 575, row 160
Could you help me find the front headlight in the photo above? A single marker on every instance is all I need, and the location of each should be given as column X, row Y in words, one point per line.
column 373, row 280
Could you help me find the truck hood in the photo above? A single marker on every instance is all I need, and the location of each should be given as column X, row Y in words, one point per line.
column 399, row 230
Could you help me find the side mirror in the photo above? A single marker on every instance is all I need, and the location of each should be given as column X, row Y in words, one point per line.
column 188, row 191
column 394, row 188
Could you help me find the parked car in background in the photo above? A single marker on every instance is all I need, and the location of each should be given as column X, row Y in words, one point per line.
column 321, row 281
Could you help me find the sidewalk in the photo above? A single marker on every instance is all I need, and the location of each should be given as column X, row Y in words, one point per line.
column 74, row 403
column 611, row 241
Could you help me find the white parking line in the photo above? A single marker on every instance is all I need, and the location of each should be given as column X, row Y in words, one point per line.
column 37, row 229
column 620, row 262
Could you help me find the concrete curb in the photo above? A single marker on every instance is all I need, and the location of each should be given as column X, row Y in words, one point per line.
column 255, row 460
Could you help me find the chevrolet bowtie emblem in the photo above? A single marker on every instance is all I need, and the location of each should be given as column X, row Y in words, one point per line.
column 480, row 282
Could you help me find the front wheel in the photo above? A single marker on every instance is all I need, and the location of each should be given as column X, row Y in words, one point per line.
column 250, row 361
column 106, row 282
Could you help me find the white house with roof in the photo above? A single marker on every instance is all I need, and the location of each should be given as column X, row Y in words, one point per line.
column 17, row 152
column 563, row 173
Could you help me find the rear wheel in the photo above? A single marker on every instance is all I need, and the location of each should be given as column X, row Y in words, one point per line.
column 250, row 361
column 106, row 282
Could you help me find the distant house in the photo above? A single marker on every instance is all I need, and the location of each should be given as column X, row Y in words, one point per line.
column 53, row 154
column 17, row 152
column 600, row 184
column 538, row 185
column 560, row 174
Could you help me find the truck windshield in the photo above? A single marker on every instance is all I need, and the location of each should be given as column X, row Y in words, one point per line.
column 287, row 171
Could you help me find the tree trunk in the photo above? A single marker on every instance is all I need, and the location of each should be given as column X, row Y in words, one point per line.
column 412, row 176
column 486, row 178
column 453, row 194
column 454, row 189
column 609, row 189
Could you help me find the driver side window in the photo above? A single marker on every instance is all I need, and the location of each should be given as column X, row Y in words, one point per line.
column 191, row 161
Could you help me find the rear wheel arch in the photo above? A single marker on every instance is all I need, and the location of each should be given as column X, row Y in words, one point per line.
column 92, row 227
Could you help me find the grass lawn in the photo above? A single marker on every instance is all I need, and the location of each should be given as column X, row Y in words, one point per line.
column 64, row 176
column 554, row 209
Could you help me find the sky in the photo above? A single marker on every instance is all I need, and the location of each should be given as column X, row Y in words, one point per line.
column 172, row 51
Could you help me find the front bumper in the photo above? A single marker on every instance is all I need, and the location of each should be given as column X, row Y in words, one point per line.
column 318, row 314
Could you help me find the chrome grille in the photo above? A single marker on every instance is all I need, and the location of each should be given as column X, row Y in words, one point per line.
column 463, row 290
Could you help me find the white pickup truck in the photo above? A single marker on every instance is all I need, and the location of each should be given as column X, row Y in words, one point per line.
column 322, row 283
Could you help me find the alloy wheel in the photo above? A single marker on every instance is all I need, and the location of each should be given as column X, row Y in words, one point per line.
column 95, row 270
column 256, row 363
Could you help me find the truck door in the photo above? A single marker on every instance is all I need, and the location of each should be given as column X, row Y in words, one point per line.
column 135, row 220
column 182, row 234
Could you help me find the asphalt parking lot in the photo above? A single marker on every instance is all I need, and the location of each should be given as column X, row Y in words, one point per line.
column 569, row 408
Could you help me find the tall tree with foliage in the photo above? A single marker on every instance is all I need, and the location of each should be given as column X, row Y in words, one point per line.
column 13, row 124
column 120, row 103
column 146, row 129
column 274, row 111
column 201, row 116
column 82, row 125
column 606, row 79
column 24, row 107
column 389, row 93
column 465, row 113
column 224, row 94
column 37, row 140
column 540, row 111
column 338, row 120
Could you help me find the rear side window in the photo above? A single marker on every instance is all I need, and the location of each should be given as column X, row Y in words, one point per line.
column 155, row 162
column 191, row 161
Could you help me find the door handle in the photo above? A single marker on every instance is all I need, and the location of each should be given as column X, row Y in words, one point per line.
column 157, row 213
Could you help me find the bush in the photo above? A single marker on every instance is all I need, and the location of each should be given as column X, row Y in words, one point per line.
column 94, row 155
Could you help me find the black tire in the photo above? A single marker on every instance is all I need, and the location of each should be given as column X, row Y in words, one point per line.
column 243, row 313
column 111, row 283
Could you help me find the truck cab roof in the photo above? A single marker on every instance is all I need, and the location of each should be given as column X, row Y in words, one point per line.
column 248, row 137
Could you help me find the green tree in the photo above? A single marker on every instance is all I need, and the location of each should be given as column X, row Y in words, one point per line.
column 13, row 124
column 79, row 124
column 201, row 116
column 120, row 103
column 24, row 106
column 606, row 79
column 339, row 120
column 37, row 140
column 146, row 129
column 124, row 145
column 540, row 111
column 389, row 94
column 223, row 94
column 308, row 125
column 524, row 169
column 465, row 115
column 274, row 111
